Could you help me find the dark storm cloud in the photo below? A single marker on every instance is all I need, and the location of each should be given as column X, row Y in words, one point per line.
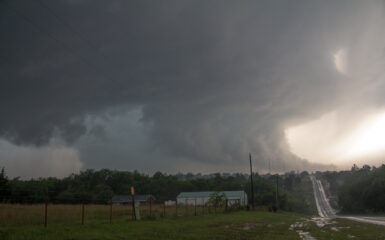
column 214, row 79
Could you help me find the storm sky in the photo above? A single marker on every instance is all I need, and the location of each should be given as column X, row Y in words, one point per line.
column 190, row 86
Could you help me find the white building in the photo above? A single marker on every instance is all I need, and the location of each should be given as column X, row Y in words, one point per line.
column 202, row 198
column 169, row 203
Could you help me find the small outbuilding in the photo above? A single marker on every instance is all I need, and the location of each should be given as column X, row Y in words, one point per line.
column 127, row 199
column 169, row 203
column 202, row 198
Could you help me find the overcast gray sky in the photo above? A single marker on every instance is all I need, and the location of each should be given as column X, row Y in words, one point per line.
column 190, row 86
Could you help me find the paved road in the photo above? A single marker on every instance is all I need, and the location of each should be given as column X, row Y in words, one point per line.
column 326, row 211
column 323, row 205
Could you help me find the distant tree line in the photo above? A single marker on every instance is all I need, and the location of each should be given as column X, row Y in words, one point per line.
column 91, row 186
column 360, row 190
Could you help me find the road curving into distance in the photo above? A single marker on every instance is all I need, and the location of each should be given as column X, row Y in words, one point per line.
column 322, row 202
column 326, row 211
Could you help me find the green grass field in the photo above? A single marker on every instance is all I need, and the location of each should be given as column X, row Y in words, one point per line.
column 24, row 214
column 232, row 225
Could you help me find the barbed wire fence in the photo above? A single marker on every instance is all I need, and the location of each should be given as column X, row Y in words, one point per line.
column 39, row 208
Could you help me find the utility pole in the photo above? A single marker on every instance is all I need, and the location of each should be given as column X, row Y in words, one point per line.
column 276, row 192
column 251, row 179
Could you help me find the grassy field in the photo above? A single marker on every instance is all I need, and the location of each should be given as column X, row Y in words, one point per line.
column 340, row 229
column 228, row 225
column 22, row 214
column 236, row 225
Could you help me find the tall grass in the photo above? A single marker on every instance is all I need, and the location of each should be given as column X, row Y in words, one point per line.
column 22, row 214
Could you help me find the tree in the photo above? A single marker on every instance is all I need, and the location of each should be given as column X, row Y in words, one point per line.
column 66, row 197
column 217, row 199
column 103, row 193
column 355, row 168
column 5, row 189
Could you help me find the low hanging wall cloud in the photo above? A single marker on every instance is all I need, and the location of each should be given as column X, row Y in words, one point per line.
column 181, row 86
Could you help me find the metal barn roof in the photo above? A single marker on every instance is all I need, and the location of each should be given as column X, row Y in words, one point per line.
column 208, row 194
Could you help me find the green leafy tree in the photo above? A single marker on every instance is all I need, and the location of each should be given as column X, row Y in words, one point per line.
column 66, row 197
column 217, row 199
column 5, row 189
column 103, row 193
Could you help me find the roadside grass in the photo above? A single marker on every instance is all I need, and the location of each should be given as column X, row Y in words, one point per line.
column 222, row 225
column 341, row 229
column 24, row 214
column 33, row 214
column 235, row 225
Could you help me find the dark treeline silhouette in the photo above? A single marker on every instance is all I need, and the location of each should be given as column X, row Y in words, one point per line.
column 360, row 190
column 91, row 186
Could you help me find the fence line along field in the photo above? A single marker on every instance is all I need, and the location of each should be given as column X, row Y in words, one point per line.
column 34, row 214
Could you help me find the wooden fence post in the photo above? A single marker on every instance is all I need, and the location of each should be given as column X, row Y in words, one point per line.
column 195, row 207
column 176, row 207
column 185, row 208
column 150, row 205
column 111, row 210
column 83, row 212
column 46, row 209
column 133, row 207
column 164, row 209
